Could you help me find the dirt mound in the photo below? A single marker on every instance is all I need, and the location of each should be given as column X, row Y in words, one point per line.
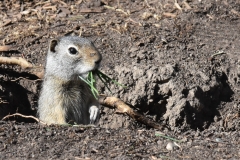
column 185, row 99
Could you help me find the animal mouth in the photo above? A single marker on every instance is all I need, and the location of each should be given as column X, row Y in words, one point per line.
column 93, row 70
column 85, row 74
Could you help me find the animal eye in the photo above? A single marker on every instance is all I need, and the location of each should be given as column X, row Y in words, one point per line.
column 72, row 50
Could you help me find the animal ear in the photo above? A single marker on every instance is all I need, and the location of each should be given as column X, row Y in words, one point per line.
column 53, row 45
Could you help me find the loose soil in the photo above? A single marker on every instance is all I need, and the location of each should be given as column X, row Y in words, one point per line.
column 179, row 59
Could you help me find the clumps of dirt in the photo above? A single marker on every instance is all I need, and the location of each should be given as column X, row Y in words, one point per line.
column 232, row 70
column 65, row 142
column 143, row 82
column 183, row 99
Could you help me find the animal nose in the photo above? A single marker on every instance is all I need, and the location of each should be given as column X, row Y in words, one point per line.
column 98, row 60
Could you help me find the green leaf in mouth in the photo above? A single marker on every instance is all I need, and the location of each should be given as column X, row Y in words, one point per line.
column 103, row 77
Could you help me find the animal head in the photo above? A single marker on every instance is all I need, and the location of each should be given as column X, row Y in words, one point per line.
column 74, row 55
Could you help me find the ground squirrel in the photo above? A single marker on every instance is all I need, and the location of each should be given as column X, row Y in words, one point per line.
column 64, row 96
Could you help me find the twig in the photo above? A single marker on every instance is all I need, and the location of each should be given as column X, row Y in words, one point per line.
column 117, row 9
column 116, row 30
column 124, row 108
column 171, row 15
column 131, row 20
column 6, row 48
column 3, row 101
column 177, row 6
column 187, row 5
column 149, row 5
column 216, row 54
column 28, row 67
column 6, row 23
column 109, row 7
column 16, row 61
column 93, row 10
column 84, row 126
column 126, row 13
column 18, row 114
column 235, row 12
column 63, row 3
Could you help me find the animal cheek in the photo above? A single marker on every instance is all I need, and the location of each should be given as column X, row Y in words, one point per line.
column 88, row 58
column 89, row 62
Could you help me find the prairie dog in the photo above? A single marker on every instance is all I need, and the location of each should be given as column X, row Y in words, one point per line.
column 64, row 97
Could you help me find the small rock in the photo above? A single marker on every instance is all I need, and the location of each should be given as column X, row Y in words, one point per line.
column 218, row 140
column 170, row 146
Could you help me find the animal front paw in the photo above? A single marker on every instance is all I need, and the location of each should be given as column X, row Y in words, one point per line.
column 94, row 114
